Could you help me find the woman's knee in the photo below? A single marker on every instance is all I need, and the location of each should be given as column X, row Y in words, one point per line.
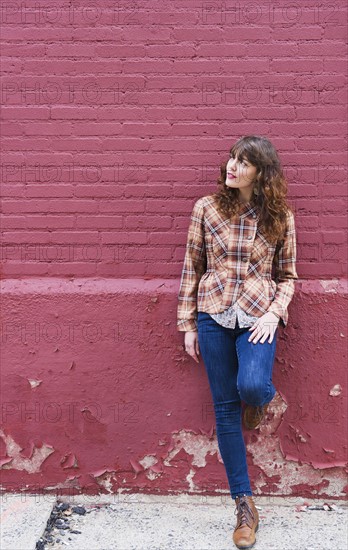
column 253, row 393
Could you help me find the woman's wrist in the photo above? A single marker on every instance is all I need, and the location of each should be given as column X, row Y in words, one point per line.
column 276, row 314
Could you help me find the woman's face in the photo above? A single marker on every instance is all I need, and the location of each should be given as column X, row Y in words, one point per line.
column 240, row 175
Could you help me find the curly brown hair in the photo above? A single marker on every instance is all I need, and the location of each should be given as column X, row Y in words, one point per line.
column 270, row 185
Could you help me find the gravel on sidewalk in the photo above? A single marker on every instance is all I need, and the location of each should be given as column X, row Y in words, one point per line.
column 188, row 522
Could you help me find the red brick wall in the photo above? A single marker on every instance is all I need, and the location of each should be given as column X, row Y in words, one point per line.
column 116, row 119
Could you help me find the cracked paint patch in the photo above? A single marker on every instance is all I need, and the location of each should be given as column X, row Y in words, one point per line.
column 267, row 454
column 193, row 444
column 32, row 464
column 105, row 480
column 196, row 445
column 152, row 468
column 151, row 475
column 147, row 461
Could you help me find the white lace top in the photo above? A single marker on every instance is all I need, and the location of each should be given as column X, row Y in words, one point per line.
column 228, row 317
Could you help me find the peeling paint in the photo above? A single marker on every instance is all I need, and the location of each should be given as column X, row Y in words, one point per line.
column 31, row 465
column 336, row 390
column 330, row 286
column 88, row 414
column 71, row 482
column 34, row 383
column 69, row 461
column 193, row 444
column 151, row 475
column 106, row 482
column 189, row 479
column 298, row 434
column 267, row 454
column 135, row 466
column 147, row 461
column 153, row 469
column 5, row 461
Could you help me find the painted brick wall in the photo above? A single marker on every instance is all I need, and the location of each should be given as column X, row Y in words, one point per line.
column 116, row 117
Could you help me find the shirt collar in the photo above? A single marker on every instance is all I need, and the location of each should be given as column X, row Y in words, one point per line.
column 249, row 208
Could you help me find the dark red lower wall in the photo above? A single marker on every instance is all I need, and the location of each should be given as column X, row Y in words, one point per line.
column 99, row 396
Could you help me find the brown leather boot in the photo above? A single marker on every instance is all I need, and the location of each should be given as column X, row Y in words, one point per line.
column 253, row 416
column 247, row 522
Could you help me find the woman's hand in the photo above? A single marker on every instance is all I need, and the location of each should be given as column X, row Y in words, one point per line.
column 191, row 344
column 264, row 327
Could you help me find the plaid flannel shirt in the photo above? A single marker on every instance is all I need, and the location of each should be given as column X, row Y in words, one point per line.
column 228, row 260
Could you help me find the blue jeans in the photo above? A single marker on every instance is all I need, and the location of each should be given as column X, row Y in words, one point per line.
column 237, row 370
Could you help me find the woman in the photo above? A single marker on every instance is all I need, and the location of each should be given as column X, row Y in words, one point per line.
column 231, row 301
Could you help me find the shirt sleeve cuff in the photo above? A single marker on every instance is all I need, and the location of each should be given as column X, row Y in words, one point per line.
column 283, row 316
column 187, row 325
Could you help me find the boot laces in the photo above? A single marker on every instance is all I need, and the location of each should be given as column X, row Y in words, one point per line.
column 259, row 412
column 245, row 514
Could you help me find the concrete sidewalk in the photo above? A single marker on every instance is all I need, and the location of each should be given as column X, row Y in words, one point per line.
column 149, row 522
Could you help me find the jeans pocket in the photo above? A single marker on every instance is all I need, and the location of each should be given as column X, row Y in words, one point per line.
column 202, row 315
